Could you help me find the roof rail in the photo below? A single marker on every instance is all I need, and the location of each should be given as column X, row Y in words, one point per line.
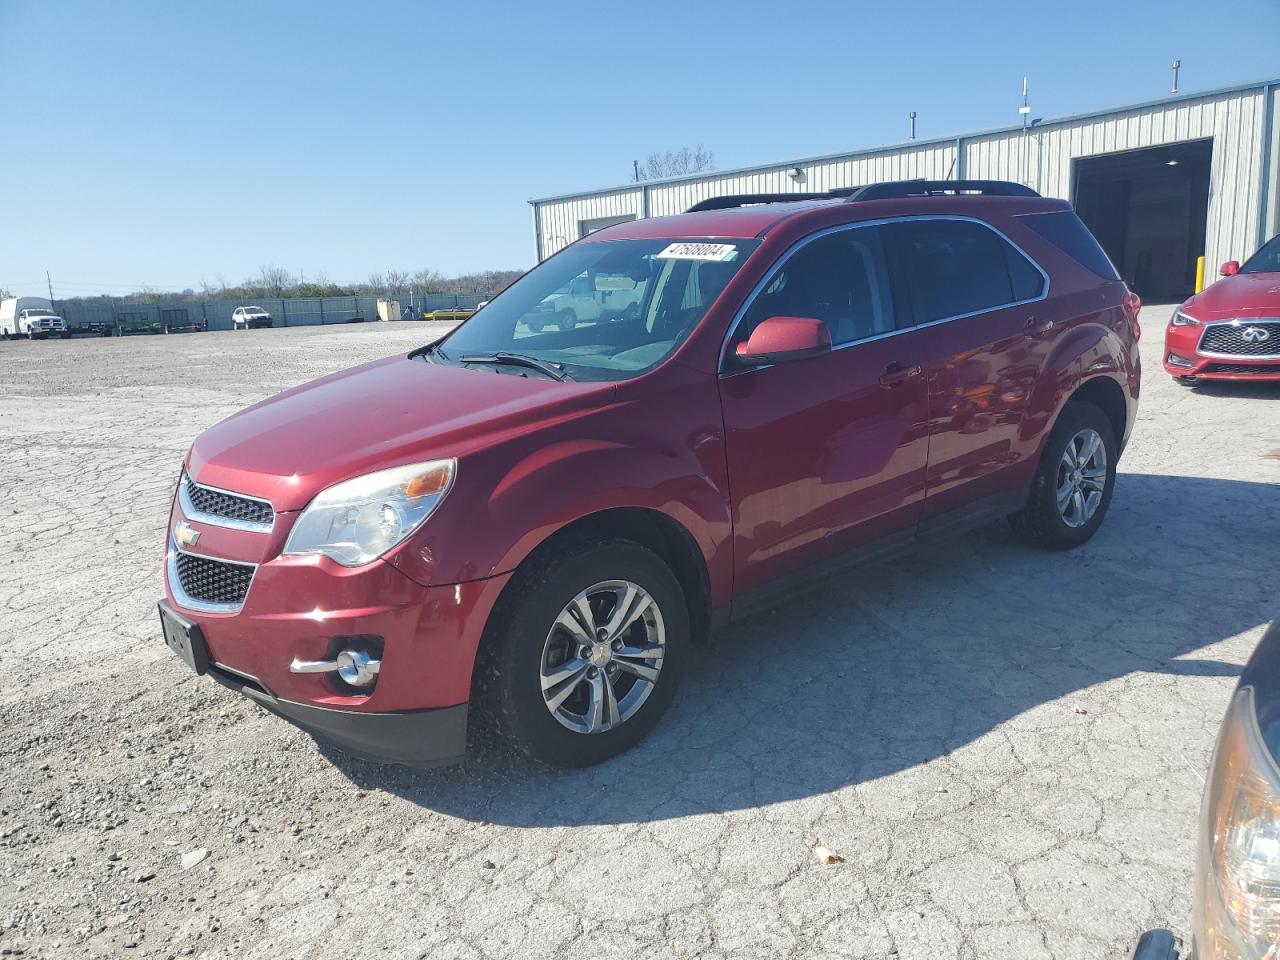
column 941, row 188
column 746, row 199
column 893, row 189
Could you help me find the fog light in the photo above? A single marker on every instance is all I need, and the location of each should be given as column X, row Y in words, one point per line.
column 356, row 668
column 1177, row 361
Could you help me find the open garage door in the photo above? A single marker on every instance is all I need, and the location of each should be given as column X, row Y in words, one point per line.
column 1149, row 209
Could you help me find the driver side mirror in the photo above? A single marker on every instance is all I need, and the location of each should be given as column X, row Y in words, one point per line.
column 780, row 339
column 1230, row 268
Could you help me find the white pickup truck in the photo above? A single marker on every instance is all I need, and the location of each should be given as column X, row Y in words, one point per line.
column 30, row 317
column 589, row 299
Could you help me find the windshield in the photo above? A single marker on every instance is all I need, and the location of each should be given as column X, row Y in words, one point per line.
column 41, row 313
column 604, row 311
column 1266, row 260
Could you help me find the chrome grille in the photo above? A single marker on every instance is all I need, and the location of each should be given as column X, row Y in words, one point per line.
column 1242, row 338
column 224, row 508
column 219, row 583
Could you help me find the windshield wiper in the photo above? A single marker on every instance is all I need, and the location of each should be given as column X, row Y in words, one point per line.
column 553, row 370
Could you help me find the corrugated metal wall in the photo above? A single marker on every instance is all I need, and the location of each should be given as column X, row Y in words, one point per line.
column 926, row 160
column 560, row 221
column 1244, row 199
column 1235, row 122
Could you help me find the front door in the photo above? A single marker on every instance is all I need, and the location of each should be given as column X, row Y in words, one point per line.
column 828, row 453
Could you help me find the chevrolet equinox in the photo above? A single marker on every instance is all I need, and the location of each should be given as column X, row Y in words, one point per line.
column 532, row 522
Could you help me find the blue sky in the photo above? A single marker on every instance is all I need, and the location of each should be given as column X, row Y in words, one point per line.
column 162, row 143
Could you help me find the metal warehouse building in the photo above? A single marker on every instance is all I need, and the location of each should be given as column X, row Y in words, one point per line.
column 1160, row 183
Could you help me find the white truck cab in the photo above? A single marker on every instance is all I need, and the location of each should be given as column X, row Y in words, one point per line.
column 30, row 317
column 590, row 298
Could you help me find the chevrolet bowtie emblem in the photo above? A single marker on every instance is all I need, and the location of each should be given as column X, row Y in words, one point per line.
column 185, row 535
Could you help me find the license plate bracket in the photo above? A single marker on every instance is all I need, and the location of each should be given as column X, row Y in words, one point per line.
column 184, row 638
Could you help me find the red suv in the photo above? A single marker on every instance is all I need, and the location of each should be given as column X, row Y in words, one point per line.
column 1231, row 330
column 537, row 522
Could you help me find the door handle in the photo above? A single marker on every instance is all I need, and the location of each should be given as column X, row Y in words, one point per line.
column 896, row 374
column 1037, row 328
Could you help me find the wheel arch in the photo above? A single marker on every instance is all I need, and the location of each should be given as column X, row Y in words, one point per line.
column 1108, row 396
column 653, row 529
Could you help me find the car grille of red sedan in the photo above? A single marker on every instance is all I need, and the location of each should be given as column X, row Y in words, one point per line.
column 1242, row 339
column 1240, row 368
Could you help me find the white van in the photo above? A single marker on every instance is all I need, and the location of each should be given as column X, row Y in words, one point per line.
column 30, row 317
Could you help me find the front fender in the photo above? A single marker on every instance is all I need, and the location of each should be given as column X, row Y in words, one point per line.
column 510, row 498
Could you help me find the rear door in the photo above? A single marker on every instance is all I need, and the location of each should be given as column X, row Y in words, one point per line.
column 828, row 453
column 980, row 303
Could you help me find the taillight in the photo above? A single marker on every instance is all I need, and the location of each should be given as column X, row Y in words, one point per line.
column 1132, row 305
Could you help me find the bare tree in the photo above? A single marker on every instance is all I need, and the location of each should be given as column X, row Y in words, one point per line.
column 215, row 290
column 4, row 293
column 673, row 163
column 274, row 280
column 427, row 281
column 397, row 282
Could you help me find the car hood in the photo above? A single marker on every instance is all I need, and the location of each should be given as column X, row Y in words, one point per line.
column 381, row 414
column 1246, row 295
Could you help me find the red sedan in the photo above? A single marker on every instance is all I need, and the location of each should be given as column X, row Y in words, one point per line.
column 1230, row 331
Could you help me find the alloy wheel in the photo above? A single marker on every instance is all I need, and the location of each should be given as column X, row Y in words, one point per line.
column 1082, row 478
column 603, row 656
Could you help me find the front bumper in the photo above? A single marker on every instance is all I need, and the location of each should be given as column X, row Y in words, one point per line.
column 309, row 608
column 1158, row 945
column 415, row 738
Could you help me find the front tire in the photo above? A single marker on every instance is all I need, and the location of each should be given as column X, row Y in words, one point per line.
column 585, row 652
column 1074, row 482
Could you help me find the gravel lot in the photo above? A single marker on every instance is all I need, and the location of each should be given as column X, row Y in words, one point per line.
column 1005, row 746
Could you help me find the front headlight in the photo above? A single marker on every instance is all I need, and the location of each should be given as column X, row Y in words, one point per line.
column 1238, row 902
column 359, row 520
column 1181, row 319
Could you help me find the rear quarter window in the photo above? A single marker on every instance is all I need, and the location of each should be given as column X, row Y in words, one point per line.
column 1067, row 232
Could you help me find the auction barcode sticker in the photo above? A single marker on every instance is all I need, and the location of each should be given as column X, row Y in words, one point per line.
column 699, row 251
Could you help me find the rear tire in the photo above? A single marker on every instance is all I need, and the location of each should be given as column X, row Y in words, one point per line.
column 527, row 646
column 1061, row 510
column 566, row 320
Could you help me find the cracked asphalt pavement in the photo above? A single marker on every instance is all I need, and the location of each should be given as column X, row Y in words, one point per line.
column 1005, row 746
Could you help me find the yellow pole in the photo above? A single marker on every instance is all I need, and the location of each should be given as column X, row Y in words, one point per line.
column 1199, row 274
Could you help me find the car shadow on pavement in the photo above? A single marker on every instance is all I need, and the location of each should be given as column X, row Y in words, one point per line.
column 1238, row 389
column 907, row 663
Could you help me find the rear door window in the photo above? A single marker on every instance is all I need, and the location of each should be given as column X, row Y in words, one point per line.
column 958, row 267
column 1027, row 280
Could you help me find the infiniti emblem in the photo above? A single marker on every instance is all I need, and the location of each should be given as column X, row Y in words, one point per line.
column 1255, row 335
